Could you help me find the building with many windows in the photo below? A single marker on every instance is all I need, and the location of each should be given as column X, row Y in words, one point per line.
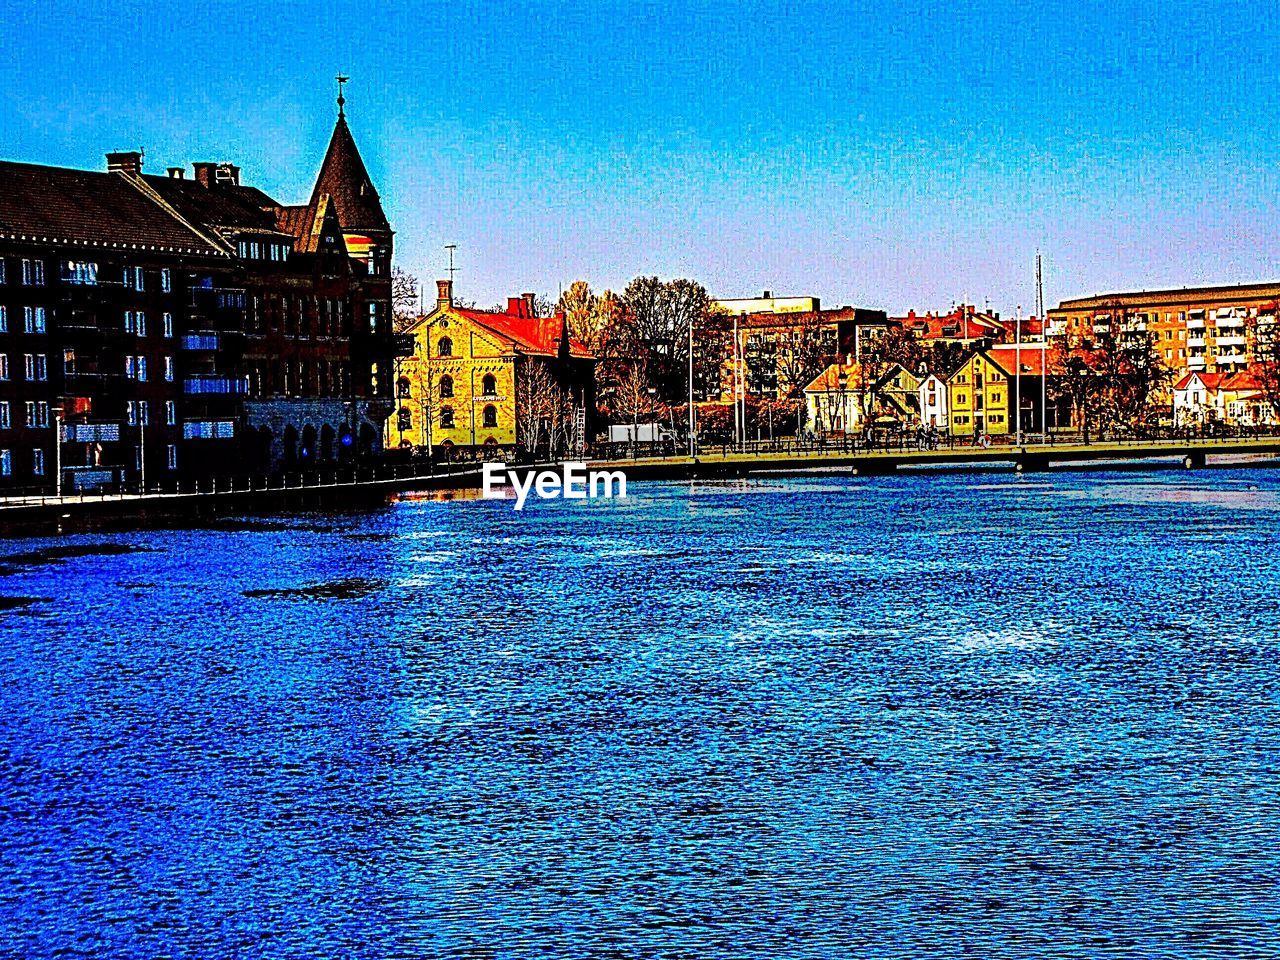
column 154, row 328
column 1196, row 329
column 493, row 380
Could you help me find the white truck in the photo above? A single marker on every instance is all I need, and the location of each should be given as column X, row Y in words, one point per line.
column 640, row 433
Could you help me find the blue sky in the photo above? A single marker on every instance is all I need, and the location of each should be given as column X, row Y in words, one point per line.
column 888, row 155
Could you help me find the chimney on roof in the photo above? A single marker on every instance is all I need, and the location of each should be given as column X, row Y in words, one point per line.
column 217, row 174
column 528, row 304
column 444, row 293
column 125, row 161
column 515, row 306
column 768, row 295
column 176, row 173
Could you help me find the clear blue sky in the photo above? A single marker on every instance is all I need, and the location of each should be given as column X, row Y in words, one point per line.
column 889, row 155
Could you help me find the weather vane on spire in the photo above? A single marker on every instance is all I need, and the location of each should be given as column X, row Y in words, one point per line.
column 341, row 99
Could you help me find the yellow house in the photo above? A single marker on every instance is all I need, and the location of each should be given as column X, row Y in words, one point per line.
column 978, row 395
column 490, row 379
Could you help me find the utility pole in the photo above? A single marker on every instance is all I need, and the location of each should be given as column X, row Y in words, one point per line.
column 736, row 421
column 57, row 452
column 693, row 446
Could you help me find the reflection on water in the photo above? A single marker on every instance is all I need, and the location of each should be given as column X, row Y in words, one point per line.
column 895, row 717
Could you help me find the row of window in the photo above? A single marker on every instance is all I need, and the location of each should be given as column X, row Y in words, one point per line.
column 488, row 418
column 35, row 367
column 37, row 415
column 85, row 273
column 488, row 386
column 34, row 320
column 263, row 250
column 38, row 460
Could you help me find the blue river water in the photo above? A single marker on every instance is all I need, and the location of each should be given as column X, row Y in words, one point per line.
column 956, row 716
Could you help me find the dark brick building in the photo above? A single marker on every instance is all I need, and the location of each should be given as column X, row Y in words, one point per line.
column 181, row 327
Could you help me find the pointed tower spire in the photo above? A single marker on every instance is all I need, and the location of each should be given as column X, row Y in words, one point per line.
column 344, row 178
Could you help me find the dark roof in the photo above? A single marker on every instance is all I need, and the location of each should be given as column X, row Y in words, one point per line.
column 223, row 207
column 343, row 176
column 60, row 205
column 1242, row 291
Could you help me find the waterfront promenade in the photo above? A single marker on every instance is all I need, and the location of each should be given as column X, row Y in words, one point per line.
column 377, row 483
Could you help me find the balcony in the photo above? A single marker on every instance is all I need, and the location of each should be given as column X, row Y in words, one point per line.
column 197, row 342
column 1195, row 363
column 215, row 385
column 1230, row 342
column 91, row 432
column 1231, row 323
column 1231, row 358
column 1195, row 323
column 1193, row 342
column 208, row 429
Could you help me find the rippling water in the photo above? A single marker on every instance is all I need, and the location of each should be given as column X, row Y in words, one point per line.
column 944, row 715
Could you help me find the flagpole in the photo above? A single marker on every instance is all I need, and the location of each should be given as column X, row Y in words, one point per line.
column 1044, row 353
column 1017, row 360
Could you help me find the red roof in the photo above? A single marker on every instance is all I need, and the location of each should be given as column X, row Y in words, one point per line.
column 1212, row 381
column 534, row 335
column 1007, row 357
column 966, row 324
column 1242, row 380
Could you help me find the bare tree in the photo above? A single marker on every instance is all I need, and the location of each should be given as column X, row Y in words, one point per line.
column 1266, row 354
column 538, row 398
column 660, row 315
column 405, row 298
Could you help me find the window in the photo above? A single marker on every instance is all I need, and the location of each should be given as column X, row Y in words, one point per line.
column 4, row 366
column 402, row 387
column 36, row 367
column 166, row 280
column 37, row 463
column 4, row 319
column 171, row 456
column 130, row 367
column 134, row 278
column 446, row 387
column 141, row 324
column 446, row 347
column 33, row 273
column 168, row 368
column 446, row 418
column 142, row 369
column 130, row 321
column 79, row 272
column 171, row 413
column 33, row 319
column 2, row 275
column 138, row 413
column 490, row 416
column 168, row 324
column 37, row 414
column 6, row 420
column 6, row 463
column 490, row 385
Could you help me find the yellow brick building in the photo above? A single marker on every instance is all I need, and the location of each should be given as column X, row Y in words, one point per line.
column 462, row 387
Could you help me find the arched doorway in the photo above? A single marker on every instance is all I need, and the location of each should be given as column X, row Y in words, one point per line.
column 326, row 443
column 368, row 439
column 290, row 453
column 307, row 453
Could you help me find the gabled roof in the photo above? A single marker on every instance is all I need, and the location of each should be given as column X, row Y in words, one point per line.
column 308, row 225
column 1212, row 381
column 343, row 177
column 61, row 205
column 536, row 336
column 530, row 335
